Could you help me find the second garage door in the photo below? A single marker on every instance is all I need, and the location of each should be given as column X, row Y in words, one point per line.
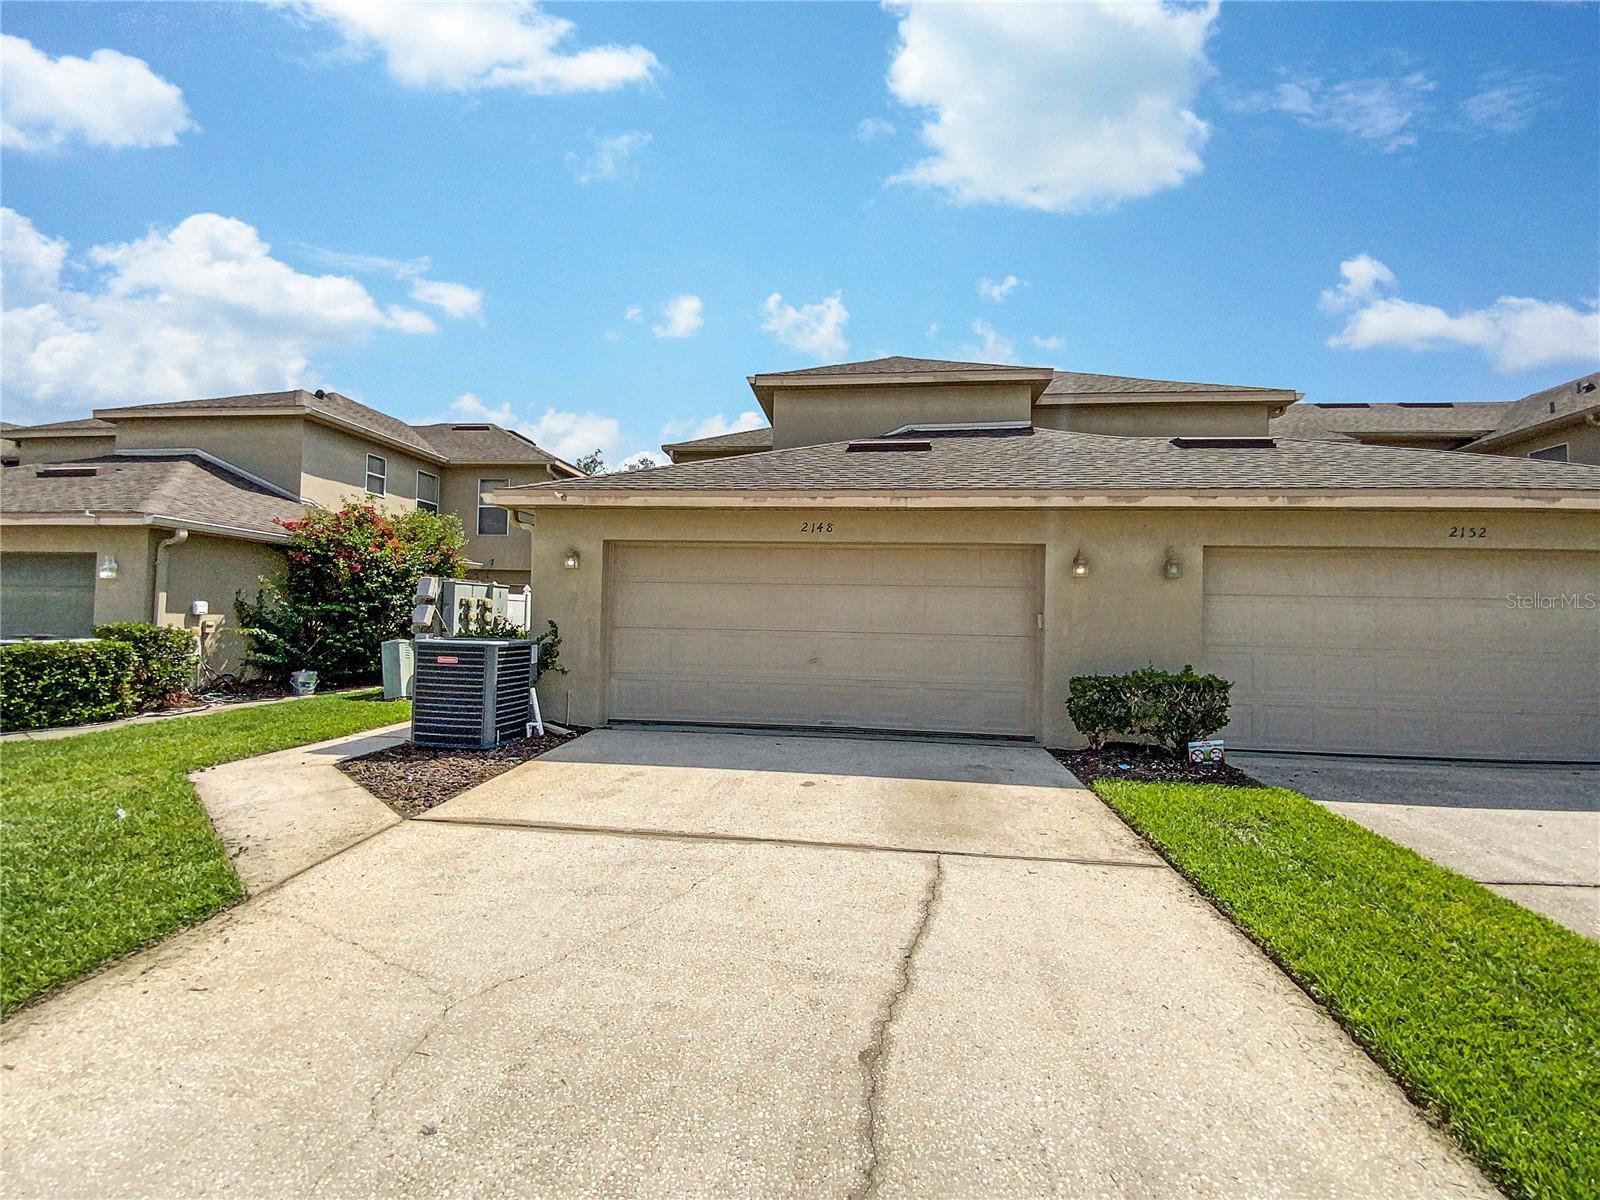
column 1471, row 654
column 935, row 638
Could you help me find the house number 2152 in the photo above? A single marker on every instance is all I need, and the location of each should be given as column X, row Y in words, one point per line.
column 816, row 527
column 1469, row 531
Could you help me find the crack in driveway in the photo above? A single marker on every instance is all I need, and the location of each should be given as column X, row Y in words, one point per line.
column 873, row 1057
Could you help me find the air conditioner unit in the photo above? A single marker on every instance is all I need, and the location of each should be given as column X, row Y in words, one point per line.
column 471, row 693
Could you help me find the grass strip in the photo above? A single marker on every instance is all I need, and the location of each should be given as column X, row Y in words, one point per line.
column 1486, row 1013
column 104, row 846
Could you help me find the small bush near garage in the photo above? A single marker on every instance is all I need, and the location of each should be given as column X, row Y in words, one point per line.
column 1169, row 708
column 164, row 660
column 65, row 683
column 546, row 645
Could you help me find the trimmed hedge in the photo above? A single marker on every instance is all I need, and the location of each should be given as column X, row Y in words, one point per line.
column 65, row 683
column 164, row 663
column 1167, row 707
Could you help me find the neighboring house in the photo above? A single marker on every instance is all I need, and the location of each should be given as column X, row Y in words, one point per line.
column 140, row 512
column 938, row 546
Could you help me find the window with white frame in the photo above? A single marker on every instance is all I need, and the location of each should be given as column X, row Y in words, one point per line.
column 1556, row 453
column 491, row 518
column 377, row 475
column 427, row 491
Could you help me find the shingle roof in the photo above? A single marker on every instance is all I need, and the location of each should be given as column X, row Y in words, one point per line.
column 899, row 364
column 1344, row 422
column 1083, row 383
column 81, row 425
column 744, row 439
column 179, row 487
column 1046, row 460
column 1565, row 400
column 485, row 443
column 329, row 404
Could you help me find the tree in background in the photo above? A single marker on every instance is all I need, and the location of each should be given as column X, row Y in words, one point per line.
column 348, row 585
column 594, row 463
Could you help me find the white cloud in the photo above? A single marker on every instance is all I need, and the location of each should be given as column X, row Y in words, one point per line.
column 1057, row 107
column 997, row 291
column 681, row 317
column 870, row 129
column 642, row 460
column 107, row 99
column 634, row 313
column 1374, row 108
column 1506, row 103
column 454, row 299
column 933, row 330
column 464, row 47
column 201, row 309
column 567, row 435
column 992, row 346
column 713, row 426
column 814, row 329
column 1515, row 332
column 610, row 159
column 1054, row 342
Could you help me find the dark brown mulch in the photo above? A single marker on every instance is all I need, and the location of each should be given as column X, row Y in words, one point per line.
column 412, row 779
column 1147, row 764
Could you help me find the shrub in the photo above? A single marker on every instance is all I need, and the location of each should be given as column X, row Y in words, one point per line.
column 348, row 586
column 164, row 658
column 65, row 683
column 547, row 645
column 1170, row 708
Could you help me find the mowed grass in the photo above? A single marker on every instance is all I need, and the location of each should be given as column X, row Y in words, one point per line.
column 1487, row 1014
column 104, row 845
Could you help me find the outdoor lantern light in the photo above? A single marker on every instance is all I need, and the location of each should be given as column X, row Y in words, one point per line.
column 570, row 562
column 108, row 568
column 1172, row 568
column 1080, row 565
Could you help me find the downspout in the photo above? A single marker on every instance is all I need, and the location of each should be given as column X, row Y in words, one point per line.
column 158, row 595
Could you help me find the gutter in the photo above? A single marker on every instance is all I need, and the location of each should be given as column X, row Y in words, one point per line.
column 95, row 520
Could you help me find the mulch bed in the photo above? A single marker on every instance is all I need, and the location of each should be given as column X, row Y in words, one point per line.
column 1147, row 764
column 412, row 779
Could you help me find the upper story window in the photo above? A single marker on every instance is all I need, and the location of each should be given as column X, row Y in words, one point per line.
column 377, row 475
column 491, row 519
column 1551, row 453
column 427, row 491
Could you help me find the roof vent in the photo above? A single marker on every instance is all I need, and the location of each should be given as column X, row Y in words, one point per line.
column 1341, row 406
column 1426, row 404
column 1585, row 386
column 68, row 470
column 1224, row 443
column 886, row 446
column 320, row 394
column 471, row 428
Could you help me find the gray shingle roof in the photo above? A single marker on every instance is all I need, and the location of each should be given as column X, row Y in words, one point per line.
column 486, row 443
column 744, row 439
column 1340, row 422
column 330, row 404
column 899, row 364
column 1553, row 404
column 1045, row 460
column 81, row 425
column 180, row 487
column 1083, row 383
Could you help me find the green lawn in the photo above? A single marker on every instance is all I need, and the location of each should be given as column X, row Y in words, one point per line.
column 104, row 845
column 1488, row 1014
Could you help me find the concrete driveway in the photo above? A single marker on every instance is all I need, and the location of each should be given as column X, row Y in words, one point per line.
column 1531, row 833
column 766, row 1007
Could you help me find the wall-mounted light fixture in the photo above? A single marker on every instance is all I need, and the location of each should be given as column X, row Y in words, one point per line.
column 1080, row 565
column 108, row 568
column 570, row 562
column 1173, row 567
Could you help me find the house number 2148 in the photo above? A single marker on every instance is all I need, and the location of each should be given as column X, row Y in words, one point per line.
column 816, row 527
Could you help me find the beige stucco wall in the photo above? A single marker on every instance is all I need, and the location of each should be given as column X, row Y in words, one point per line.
column 266, row 446
column 215, row 570
column 1583, row 443
column 689, row 456
column 810, row 416
column 63, row 449
column 1204, row 419
column 335, row 469
column 1125, row 614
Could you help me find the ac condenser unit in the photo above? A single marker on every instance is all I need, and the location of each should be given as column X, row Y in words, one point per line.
column 471, row 692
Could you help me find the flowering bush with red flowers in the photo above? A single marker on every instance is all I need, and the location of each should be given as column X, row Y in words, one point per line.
column 348, row 584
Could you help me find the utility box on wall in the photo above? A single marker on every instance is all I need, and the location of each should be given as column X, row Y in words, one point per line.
column 471, row 693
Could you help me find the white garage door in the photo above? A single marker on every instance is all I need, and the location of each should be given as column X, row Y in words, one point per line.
column 46, row 595
column 896, row 637
column 1483, row 654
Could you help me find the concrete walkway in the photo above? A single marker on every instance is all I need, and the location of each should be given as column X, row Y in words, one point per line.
column 55, row 733
column 461, row 1009
column 1530, row 833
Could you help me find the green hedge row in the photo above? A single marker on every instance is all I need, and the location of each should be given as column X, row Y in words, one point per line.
column 130, row 667
column 1172, row 708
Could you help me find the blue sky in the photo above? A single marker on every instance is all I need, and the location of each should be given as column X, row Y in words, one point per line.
column 242, row 197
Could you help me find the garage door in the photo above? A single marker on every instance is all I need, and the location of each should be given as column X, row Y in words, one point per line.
column 46, row 595
column 904, row 637
column 1467, row 654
